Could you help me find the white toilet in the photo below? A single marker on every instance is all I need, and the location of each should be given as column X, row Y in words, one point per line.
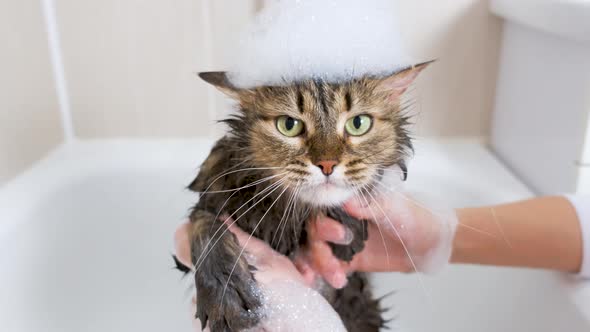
column 541, row 121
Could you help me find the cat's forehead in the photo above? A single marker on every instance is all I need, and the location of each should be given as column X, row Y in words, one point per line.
column 316, row 89
column 312, row 98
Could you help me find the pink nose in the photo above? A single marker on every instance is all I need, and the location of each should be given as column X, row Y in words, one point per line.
column 327, row 166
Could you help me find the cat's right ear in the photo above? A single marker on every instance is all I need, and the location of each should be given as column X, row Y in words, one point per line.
column 219, row 80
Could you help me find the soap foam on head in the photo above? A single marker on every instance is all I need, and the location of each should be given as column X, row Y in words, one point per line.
column 333, row 40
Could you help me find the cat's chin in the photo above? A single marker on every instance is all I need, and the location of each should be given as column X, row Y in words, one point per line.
column 325, row 195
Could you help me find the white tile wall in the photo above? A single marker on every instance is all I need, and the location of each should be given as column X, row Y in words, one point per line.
column 456, row 95
column 131, row 64
column 29, row 117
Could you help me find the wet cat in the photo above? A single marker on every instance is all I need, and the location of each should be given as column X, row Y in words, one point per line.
column 292, row 153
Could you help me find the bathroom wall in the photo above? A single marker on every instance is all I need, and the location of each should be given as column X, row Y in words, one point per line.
column 29, row 117
column 130, row 64
column 456, row 95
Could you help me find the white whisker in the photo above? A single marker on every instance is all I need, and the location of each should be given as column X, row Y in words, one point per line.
column 235, row 191
column 284, row 215
column 247, row 241
column 236, row 171
column 292, row 211
column 257, row 182
column 495, row 216
column 273, row 187
column 404, row 246
column 434, row 213
column 378, row 227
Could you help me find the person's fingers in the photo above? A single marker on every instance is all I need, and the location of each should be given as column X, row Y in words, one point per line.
column 375, row 209
column 333, row 271
column 304, row 267
column 360, row 209
column 329, row 230
column 252, row 244
column 182, row 244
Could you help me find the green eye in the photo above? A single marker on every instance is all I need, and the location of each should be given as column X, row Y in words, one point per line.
column 289, row 126
column 359, row 125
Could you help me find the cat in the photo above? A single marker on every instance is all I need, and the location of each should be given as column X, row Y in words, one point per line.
column 293, row 152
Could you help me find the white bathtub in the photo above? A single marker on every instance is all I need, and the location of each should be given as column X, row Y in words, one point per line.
column 86, row 237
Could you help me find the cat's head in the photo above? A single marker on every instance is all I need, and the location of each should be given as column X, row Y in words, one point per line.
column 324, row 140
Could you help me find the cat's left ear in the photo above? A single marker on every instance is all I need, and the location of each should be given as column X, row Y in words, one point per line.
column 219, row 80
column 397, row 84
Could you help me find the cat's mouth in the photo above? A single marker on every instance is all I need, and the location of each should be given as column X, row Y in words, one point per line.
column 326, row 193
column 328, row 182
column 327, row 186
column 330, row 191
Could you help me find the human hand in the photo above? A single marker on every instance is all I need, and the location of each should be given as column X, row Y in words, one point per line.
column 405, row 235
column 290, row 302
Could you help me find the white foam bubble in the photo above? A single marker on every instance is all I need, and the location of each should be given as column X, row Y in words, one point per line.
column 290, row 306
column 292, row 40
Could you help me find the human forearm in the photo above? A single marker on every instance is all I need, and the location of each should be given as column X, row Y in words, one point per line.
column 538, row 233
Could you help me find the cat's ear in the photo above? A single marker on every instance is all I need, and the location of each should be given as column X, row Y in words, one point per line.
column 397, row 84
column 219, row 80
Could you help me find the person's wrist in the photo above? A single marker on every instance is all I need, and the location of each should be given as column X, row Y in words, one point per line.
column 464, row 244
column 479, row 238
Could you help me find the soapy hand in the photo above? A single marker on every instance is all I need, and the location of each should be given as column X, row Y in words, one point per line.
column 405, row 235
column 290, row 302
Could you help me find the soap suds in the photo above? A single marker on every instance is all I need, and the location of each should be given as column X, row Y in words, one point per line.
column 290, row 306
column 334, row 40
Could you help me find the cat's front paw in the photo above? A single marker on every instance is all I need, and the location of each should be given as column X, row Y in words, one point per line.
column 358, row 229
column 227, row 306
